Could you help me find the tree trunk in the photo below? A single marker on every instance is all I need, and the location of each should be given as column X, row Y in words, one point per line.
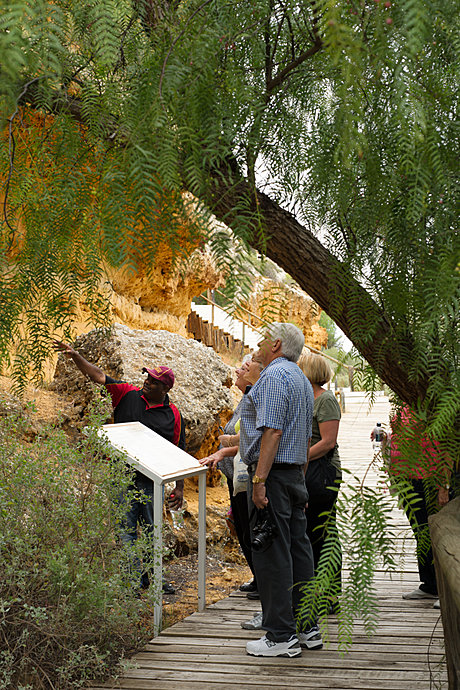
column 323, row 277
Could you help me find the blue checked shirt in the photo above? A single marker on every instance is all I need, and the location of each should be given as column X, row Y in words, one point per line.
column 282, row 398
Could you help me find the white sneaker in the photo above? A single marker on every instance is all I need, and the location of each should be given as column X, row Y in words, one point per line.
column 419, row 594
column 254, row 624
column 311, row 639
column 266, row 647
column 437, row 604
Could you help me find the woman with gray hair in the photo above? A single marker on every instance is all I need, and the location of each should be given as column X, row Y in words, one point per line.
column 246, row 375
column 323, row 476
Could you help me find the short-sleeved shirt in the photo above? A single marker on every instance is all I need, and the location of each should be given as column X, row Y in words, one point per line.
column 282, row 399
column 428, row 456
column 131, row 406
column 325, row 409
column 226, row 465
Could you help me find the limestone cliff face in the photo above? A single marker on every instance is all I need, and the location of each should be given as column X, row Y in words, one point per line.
column 160, row 298
column 273, row 300
column 149, row 297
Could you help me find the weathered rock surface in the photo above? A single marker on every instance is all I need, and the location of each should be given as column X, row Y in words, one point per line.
column 201, row 389
column 159, row 296
column 273, row 299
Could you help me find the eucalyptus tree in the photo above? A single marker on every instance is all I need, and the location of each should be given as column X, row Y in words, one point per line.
column 323, row 133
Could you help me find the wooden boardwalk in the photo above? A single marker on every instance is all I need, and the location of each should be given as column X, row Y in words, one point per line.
column 206, row 651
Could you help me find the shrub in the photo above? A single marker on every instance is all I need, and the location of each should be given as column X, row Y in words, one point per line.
column 69, row 610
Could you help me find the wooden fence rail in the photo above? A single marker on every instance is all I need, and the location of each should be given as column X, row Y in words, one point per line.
column 215, row 337
column 445, row 537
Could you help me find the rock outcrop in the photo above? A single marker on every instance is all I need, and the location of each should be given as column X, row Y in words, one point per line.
column 159, row 296
column 201, row 390
column 274, row 299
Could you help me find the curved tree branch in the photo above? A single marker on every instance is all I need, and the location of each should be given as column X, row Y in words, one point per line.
column 281, row 76
column 324, row 278
column 329, row 282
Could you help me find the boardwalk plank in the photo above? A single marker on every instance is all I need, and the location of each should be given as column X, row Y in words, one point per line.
column 291, row 671
column 387, row 663
column 195, row 679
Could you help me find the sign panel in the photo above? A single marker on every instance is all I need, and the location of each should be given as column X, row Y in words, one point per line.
column 162, row 462
column 150, row 453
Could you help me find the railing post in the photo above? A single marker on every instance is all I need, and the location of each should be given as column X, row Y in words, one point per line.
column 445, row 539
column 351, row 371
column 211, row 300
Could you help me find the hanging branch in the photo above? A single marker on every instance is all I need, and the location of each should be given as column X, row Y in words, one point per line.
column 11, row 152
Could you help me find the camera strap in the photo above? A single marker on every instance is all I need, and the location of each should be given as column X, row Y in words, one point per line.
column 259, row 514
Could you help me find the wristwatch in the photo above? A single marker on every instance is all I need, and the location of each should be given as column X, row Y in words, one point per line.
column 257, row 480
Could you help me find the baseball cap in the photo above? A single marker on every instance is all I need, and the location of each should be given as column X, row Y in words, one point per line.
column 163, row 374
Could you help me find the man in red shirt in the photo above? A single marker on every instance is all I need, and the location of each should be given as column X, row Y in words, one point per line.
column 149, row 405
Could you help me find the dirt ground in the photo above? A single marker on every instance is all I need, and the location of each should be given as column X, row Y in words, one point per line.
column 226, row 567
column 222, row 578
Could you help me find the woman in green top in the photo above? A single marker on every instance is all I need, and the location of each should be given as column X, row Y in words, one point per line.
column 323, row 475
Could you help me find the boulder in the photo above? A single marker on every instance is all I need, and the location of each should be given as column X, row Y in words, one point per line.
column 202, row 380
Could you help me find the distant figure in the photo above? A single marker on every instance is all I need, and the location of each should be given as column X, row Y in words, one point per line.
column 149, row 405
column 274, row 438
column 428, row 499
column 323, row 474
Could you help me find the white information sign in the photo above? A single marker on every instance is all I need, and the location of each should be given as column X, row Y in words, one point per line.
column 162, row 462
column 152, row 454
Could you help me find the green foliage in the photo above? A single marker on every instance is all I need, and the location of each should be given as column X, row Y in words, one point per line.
column 68, row 601
column 344, row 112
column 333, row 339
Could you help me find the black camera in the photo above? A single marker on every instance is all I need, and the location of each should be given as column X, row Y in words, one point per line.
column 263, row 532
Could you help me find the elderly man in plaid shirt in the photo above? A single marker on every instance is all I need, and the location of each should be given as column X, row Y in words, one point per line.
column 274, row 440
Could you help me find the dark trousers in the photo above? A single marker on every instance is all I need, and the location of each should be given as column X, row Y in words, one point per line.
column 139, row 512
column 288, row 563
column 417, row 513
column 425, row 503
column 240, row 512
column 319, row 527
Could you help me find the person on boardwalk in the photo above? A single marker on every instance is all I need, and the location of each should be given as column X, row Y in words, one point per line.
column 149, row 405
column 275, row 434
column 426, row 496
column 323, row 474
column 246, row 375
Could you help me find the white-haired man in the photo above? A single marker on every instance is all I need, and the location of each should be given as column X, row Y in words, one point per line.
column 274, row 439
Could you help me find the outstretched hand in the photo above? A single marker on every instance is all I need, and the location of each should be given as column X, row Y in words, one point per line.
column 65, row 348
column 211, row 460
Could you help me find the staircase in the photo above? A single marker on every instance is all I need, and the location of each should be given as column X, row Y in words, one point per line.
column 214, row 336
column 215, row 327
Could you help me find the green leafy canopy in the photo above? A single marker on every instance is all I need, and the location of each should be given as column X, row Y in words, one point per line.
column 324, row 133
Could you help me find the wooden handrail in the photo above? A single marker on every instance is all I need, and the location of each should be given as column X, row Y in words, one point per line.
column 312, row 349
column 214, row 304
column 266, row 323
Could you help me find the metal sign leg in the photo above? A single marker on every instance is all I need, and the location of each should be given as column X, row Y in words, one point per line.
column 201, row 542
column 158, row 556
